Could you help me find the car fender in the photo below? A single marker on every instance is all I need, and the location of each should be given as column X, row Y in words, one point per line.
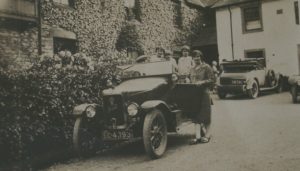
column 154, row 104
column 80, row 109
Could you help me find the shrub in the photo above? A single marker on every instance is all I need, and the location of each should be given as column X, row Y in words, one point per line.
column 36, row 107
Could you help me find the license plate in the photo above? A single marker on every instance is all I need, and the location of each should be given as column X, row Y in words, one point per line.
column 109, row 135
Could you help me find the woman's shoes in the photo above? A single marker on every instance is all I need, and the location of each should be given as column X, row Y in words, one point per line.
column 195, row 141
column 204, row 139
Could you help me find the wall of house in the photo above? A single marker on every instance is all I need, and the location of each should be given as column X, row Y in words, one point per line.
column 279, row 38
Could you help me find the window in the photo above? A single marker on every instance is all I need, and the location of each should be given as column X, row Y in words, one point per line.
column 133, row 9
column 177, row 18
column 296, row 6
column 255, row 54
column 61, row 44
column 70, row 3
column 252, row 18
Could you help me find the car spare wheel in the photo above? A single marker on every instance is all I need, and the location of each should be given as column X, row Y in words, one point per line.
column 253, row 91
column 155, row 134
column 86, row 141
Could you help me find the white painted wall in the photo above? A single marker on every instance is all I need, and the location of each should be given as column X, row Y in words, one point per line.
column 279, row 38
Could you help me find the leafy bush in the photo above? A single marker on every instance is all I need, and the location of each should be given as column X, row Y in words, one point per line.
column 36, row 107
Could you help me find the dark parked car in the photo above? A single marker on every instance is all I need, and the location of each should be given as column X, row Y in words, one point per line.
column 248, row 77
column 146, row 105
column 294, row 81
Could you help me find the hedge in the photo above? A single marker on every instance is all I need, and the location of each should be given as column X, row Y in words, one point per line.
column 36, row 107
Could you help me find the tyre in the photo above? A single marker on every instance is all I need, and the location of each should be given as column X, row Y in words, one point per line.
column 85, row 141
column 279, row 88
column 155, row 134
column 254, row 91
column 222, row 95
column 294, row 93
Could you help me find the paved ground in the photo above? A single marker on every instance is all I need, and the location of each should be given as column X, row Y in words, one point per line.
column 261, row 134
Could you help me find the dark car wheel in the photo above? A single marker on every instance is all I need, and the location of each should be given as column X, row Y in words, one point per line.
column 85, row 140
column 222, row 95
column 279, row 88
column 254, row 91
column 294, row 93
column 155, row 134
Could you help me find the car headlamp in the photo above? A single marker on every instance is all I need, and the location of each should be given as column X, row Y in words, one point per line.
column 132, row 109
column 90, row 111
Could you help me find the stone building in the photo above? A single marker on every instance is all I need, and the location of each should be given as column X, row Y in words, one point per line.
column 101, row 28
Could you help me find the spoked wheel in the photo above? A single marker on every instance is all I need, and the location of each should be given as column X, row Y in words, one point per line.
column 155, row 134
column 294, row 94
column 254, row 91
column 86, row 142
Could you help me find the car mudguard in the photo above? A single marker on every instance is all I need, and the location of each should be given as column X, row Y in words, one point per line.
column 153, row 104
column 80, row 109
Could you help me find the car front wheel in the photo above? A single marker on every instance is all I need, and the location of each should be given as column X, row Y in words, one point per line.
column 85, row 140
column 155, row 134
column 254, row 91
column 294, row 93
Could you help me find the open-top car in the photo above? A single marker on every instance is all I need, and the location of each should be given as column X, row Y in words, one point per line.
column 248, row 77
column 146, row 105
column 294, row 82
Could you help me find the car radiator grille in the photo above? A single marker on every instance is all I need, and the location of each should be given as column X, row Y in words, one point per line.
column 114, row 110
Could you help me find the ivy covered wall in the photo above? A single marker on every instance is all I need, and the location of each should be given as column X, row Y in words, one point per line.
column 99, row 25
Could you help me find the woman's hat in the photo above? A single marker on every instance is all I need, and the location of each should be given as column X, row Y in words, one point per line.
column 185, row 47
column 197, row 53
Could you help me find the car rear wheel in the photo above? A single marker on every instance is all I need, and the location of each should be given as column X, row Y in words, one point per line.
column 294, row 93
column 85, row 140
column 254, row 91
column 222, row 95
column 155, row 134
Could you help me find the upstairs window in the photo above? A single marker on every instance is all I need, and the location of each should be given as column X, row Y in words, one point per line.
column 177, row 18
column 252, row 18
column 133, row 9
column 70, row 3
column 296, row 6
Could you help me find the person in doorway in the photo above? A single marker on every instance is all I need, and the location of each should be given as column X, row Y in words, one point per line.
column 202, row 75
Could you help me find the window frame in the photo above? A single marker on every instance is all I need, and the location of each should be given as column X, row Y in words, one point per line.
column 296, row 10
column 263, row 50
column 70, row 4
column 248, row 6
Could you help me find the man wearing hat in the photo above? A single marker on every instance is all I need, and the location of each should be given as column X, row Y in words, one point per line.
column 185, row 63
column 202, row 75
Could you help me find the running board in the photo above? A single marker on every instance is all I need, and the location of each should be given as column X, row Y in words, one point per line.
column 268, row 88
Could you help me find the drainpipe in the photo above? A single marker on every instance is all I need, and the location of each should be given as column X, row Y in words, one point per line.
column 39, row 9
column 231, row 33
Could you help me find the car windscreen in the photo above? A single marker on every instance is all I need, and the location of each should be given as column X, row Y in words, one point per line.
column 146, row 69
column 235, row 68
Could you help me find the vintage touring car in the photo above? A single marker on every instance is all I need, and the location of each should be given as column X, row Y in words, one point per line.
column 248, row 77
column 146, row 105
